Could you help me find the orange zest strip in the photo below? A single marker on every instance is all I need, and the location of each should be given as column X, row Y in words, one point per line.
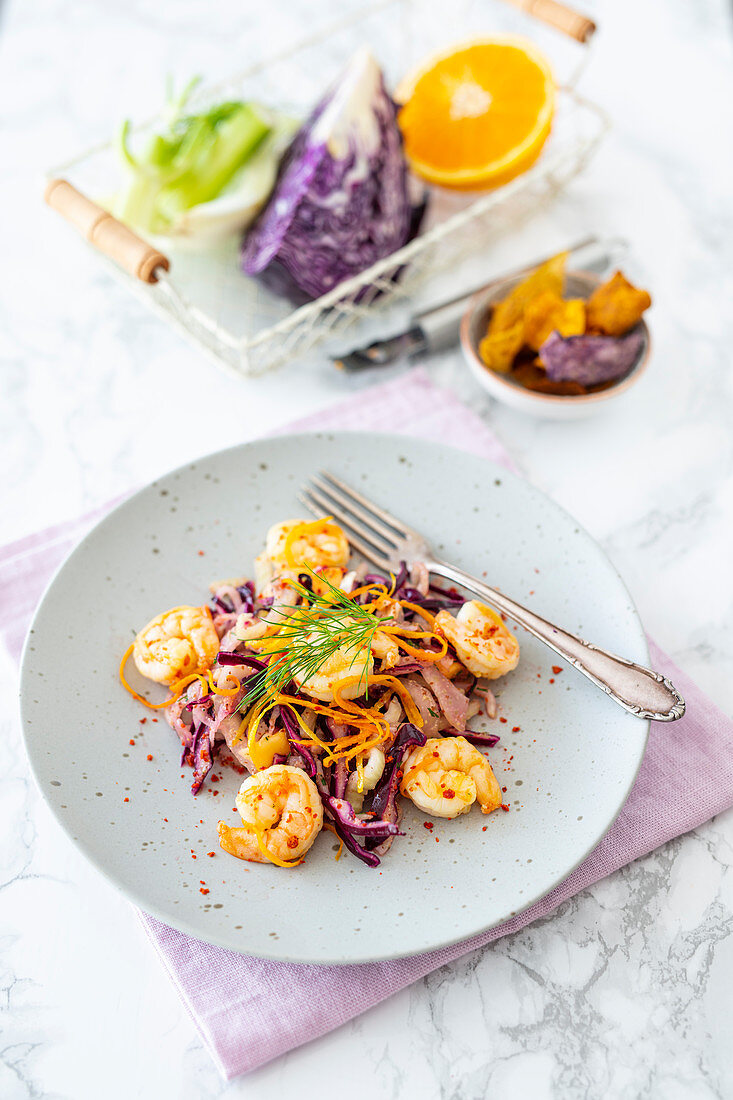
column 240, row 731
column 407, row 632
column 373, row 729
column 369, row 713
column 313, row 738
column 255, row 716
column 300, row 529
column 427, row 615
column 175, row 690
column 406, row 699
column 337, row 750
column 430, row 656
column 342, row 717
column 228, row 692
column 348, row 704
column 329, row 826
column 270, row 858
column 383, row 700
column 380, row 589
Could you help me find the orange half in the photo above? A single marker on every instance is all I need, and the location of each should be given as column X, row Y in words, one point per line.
column 478, row 115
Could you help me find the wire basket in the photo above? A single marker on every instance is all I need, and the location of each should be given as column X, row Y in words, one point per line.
column 247, row 328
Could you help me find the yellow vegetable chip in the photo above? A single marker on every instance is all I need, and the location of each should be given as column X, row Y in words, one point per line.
column 498, row 349
column 616, row 306
column 548, row 276
column 549, row 313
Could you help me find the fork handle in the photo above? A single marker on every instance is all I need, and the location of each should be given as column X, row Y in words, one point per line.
column 639, row 690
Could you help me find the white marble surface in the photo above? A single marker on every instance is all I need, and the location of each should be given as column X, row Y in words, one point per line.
column 626, row 992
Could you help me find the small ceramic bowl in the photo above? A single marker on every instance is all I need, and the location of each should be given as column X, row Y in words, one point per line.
column 578, row 284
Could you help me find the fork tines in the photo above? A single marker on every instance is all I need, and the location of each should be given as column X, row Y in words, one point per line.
column 375, row 533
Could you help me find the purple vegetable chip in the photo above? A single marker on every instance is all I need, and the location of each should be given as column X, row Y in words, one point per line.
column 589, row 359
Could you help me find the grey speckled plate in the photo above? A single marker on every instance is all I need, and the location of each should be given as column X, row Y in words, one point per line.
column 568, row 756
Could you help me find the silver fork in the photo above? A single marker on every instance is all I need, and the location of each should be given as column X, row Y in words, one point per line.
column 386, row 541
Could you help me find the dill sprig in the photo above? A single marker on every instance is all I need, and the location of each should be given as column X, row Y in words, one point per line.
column 310, row 636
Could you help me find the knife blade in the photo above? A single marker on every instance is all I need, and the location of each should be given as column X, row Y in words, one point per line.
column 436, row 328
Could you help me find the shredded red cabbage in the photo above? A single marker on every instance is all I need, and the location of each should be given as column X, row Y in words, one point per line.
column 339, row 778
column 430, row 603
column 384, row 800
column 229, row 599
column 226, row 658
column 342, row 810
column 486, row 739
column 370, row 858
column 306, row 756
column 202, row 751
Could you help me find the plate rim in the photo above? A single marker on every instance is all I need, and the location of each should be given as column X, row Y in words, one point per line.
column 181, row 925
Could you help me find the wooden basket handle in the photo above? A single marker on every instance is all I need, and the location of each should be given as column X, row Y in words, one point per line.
column 558, row 15
column 110, row 236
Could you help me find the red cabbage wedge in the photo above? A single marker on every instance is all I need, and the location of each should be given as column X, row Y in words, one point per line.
column 341, row 200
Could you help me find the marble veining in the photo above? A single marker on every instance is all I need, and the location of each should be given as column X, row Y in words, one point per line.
column 625, row 991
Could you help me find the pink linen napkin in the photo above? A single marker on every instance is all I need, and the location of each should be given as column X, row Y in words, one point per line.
column 243, row 1006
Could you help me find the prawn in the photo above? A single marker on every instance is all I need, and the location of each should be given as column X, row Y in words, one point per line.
column 298, row 542
column 282, row 815
column 446, row 775
column 481, row 639
column 175, row 644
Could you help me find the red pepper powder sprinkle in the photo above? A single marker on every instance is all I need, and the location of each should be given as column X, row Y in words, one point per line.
column 503, row 720
column 557, row 669
column 132, row 742
column 153, row 719
column 125, row 799
column 437, row 840
column 165, row 819
column 449, row 794
column 201, row 553
column 552, row 679
column 150, row 756
column 484, row 828
column 142, row 721
column 504, row 790
column 505, row 807
column 203, row 889
column 427, row 824
column 516, row 729
column 211, row 853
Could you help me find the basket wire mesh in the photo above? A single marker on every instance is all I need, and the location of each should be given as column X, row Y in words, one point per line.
column 249, row 330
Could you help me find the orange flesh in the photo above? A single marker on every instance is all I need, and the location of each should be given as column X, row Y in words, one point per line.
column 472, row 110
